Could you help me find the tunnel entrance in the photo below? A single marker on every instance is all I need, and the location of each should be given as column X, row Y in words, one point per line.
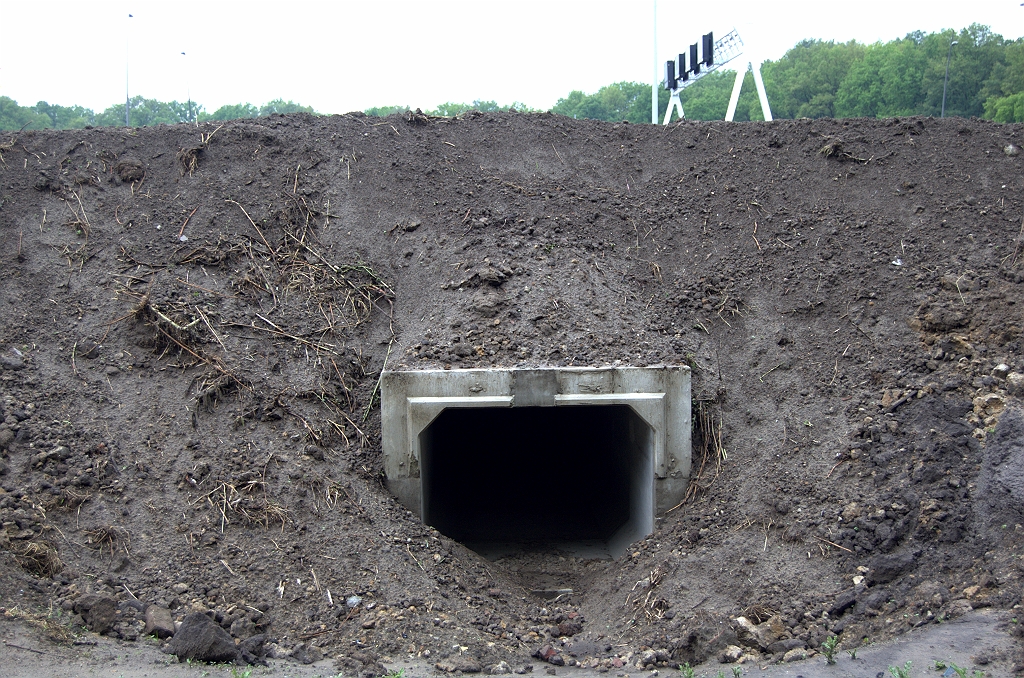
column 575, row 459
column 576, row 479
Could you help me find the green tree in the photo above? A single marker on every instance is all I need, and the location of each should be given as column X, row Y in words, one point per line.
column 66, row 117
column 282, row 106
column 1004, row 90
column 15, row 117
column 145, row 112
column 384, row 111
column 972, row 63
column 231, row 112
column 887, row 82
column 629, row 101
column 805, row 81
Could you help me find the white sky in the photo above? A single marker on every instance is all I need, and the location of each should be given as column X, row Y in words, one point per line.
column 345, row 56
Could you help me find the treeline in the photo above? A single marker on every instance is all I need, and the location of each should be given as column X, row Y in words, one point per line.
column 817, row 79
column 814, row 79
column 142, row 111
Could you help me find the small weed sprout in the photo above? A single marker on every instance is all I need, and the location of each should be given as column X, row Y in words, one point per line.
column 737, row 672
column 900, row 671
column 686, row 670
column 400, row 673
column 852, row 653
column 828, row 648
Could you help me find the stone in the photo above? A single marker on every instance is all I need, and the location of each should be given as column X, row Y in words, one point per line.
column 1015, row 384
column 159, row 622
column 886, row 567
column 794, row 655
column 9, row 362
column 500, row 669
column 759, row 635
column 545, row 652
column 1011, row 150
column 242, row 627
column 306, row 654
column 783, row 646
column 1000, row 371
column 989, row 405
column 464, row 664
column 569, row 628
column 731, row 654
column 201, row 639
column 98, row 611
column 845, row 600
column 647, row 657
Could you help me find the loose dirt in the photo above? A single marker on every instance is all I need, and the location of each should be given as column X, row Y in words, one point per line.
column 194, row 320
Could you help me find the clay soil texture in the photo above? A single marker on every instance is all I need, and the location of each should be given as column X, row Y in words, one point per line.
column 194, row 320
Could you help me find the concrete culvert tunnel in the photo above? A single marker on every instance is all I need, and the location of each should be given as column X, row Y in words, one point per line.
column 578, row 460
column 537, row 476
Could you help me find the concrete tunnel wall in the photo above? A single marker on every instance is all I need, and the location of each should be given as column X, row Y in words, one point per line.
column 551, row 457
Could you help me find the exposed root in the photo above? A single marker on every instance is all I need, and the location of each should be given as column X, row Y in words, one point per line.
column 707, row 444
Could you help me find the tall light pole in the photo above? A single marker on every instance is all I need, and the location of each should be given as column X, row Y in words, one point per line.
column 127, row 97
column 188, row 90
column 654, row 81
column 945, row 83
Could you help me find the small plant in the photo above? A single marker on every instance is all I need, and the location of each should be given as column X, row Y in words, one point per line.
column 400, row 673
column 828, row 648
column 737, row 672
column 246, row 673
column 852, row 653
column 900, row 671
column 686, row 670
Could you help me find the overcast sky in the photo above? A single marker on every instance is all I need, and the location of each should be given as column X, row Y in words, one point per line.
column 345, row 56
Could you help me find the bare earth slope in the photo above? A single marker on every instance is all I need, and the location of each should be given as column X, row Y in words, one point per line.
column 193, row 322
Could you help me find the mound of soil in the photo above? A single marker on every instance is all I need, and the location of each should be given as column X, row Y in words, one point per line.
column 194, row 322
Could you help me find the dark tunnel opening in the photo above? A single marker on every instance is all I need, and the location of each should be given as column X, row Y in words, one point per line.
column 537, row 476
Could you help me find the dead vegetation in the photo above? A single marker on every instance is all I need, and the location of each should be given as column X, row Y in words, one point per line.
column 37, row 556
column 243, row 497
column 109, row 537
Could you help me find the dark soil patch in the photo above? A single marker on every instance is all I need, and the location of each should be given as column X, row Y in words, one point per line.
column 194, row 321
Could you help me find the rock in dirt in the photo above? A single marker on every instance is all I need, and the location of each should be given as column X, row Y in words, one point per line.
column 549, row 654
column 306, row 654
column 202, row 639
column 845, row 600
column 783, row 646
column 500, row 669
column 99, row 611
column 360, row 664
column 1015, row 383
column 795, row 655
column 886, row 567
column 252, row 650
column 159, row 622
column 760, row 635
column 464, row 664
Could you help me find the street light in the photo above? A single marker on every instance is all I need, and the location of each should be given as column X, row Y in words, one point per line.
column 188, row 116
column 127, row 96
column 945, row 82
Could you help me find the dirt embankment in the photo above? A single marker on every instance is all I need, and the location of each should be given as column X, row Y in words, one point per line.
column 194, row 320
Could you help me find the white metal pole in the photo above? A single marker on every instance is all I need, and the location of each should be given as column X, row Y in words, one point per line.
column 734, row 98
column 766, row 110
column 654, row 80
